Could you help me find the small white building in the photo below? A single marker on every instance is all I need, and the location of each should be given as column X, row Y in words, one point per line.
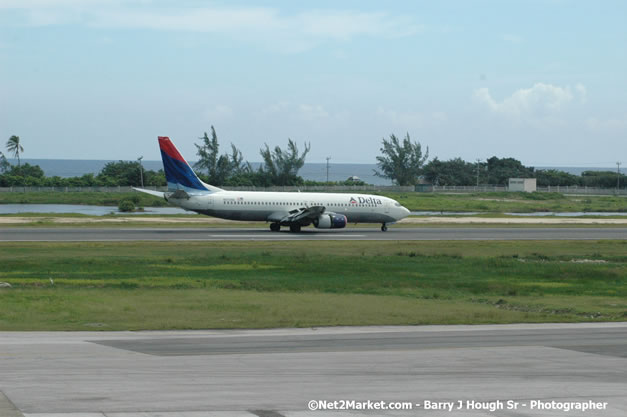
column 527, row 185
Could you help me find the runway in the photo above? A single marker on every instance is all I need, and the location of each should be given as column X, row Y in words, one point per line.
column 79, row 234
column 278, row 372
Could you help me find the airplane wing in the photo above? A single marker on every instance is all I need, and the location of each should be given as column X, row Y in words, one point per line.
column 301, row 215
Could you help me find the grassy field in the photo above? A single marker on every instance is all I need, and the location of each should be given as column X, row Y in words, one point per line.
column 86, row 198
column 184, row 285
column 474, row 202
column 51, row 220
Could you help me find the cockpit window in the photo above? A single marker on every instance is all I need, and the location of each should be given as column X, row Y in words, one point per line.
column 397, row 204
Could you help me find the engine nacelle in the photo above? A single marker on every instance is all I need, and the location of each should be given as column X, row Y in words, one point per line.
column 330, row 221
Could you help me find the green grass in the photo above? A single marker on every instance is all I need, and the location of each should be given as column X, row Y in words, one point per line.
column 86, row 198
column 273, row 284
column 498, row 202
column 502, row 202
column 116, row 309
column 48, row 220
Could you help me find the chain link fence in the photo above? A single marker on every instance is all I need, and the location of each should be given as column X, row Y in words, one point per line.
column 124, row 189
column 425, row 188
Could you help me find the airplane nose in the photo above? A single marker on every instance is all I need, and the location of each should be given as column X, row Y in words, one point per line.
column 404, row 213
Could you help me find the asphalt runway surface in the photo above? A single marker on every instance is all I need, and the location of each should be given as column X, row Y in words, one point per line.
column 274, row 373
column 79, row 234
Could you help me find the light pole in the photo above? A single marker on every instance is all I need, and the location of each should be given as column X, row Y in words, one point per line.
column 618, row 176
column 478, row 165
column 141, row 170
column 328, row 157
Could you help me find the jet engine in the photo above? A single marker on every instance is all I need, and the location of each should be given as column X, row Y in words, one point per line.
column 330, row 221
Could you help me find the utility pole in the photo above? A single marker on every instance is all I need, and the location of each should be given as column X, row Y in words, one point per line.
column 328, row 157
column 478, row 166
column 618, row 176
column 141, row 170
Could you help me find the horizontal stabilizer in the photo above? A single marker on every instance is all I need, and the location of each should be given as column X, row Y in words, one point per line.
column 151, row 192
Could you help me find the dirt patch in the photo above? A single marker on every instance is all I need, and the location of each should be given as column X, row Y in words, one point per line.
column 505, row 200
column 588, row 261
column 116, row 220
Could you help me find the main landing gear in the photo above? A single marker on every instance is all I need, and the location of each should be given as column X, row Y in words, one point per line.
column 384, row 227
column 276, row 227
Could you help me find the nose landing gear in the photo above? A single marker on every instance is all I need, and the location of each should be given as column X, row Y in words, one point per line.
column 384, row 227
column 275, row 227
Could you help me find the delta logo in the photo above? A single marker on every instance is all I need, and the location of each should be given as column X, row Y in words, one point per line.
column 364, row 200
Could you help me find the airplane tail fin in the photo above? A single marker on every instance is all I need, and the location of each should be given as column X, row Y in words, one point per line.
column 178, row 173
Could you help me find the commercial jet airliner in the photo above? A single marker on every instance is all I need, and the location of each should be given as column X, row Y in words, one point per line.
column 293, row 209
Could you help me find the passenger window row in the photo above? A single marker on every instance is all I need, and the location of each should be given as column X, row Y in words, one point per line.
column 259, row 203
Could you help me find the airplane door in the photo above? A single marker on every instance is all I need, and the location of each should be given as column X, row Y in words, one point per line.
column 386, row 207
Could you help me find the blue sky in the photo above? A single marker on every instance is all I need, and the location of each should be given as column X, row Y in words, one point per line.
column 542, row 81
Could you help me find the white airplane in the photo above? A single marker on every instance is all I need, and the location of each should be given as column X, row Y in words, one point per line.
column 293, row 209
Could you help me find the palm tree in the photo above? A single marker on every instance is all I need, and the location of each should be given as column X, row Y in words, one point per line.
column 14, row 147
column 4, row 164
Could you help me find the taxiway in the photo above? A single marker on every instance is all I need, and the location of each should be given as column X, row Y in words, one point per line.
column 80, row 234
column 277, row 372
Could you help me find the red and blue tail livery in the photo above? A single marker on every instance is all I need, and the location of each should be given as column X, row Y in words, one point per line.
column 178, row 173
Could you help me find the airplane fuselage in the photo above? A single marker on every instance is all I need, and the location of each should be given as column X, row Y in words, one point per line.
column 266, row 206
column 293, row 209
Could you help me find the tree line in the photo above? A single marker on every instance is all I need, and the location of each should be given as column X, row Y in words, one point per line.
column 404, row 162
column 279, row 167
column 401, row 160
column 498, row 171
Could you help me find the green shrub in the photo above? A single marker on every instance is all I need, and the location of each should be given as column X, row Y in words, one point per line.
column 126, row 206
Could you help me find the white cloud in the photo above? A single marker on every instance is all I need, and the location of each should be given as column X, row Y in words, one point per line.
column 346, row 24
column 280, row 107
column 312, row 112
column 286, row 32
column 538, row 102
column 581, row 90
column 303, row 112
column 35, row 4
